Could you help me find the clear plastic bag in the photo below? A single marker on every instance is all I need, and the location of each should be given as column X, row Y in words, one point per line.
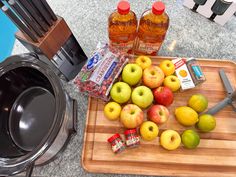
column 100, row 72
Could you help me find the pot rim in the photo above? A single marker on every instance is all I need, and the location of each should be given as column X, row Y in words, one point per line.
column 18, row 164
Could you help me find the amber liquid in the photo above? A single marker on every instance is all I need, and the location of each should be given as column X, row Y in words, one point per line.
column 151, row 33
column 122, row 31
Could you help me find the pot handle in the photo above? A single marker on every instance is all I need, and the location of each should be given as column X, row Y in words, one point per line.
column 29, row 170
column 74, row 129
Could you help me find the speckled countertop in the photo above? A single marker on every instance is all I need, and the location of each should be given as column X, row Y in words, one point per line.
column 193, row 34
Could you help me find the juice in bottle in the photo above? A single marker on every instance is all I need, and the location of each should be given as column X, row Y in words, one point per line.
column 152, row 29
column 122, row 26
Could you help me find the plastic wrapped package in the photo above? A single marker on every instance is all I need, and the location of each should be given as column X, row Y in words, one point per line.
column 100, row 72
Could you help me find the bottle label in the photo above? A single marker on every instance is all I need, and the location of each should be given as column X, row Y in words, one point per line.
column 124, row 47
column 132, row 140
column 117, row 146
column 148, row 48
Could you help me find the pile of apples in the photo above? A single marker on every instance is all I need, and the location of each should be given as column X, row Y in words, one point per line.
column 145, row 86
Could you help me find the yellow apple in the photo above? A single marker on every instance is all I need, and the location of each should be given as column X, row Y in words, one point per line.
column 149, row 130
column 131, row 116
column 153, row 77
column 167, row 67
column 143, row 61
column 170, row 140
column 172, row 82
column 112, row 110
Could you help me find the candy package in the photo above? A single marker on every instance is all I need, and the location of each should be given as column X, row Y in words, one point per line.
column 100, row 72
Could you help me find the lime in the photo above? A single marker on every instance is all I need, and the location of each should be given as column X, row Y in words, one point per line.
column 206, row 123
column 190, row 139
column 186, row 115
column 198, row 102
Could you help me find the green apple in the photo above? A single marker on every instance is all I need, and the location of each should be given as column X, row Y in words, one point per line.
column 120, row 92
column 149, row 130
column 112, row 110
column 132, row 73
column 142, row 96
column 131, row 116
column 170, row 140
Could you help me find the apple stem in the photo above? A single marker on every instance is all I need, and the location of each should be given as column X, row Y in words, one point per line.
column 160, row 89
column 160, row 113
column 118, row 89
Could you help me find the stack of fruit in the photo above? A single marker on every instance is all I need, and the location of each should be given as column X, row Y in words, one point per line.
column 188, row 116
column 151, row 87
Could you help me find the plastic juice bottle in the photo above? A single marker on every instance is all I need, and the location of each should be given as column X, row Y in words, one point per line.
column 122, row 26
column 152, row 29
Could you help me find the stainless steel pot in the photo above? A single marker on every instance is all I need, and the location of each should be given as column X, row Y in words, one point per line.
column 17, row 74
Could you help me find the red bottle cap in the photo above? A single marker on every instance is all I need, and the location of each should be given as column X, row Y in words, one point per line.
column 130, row 131
column 158, row 8
column 112, row 138
column 123, row 7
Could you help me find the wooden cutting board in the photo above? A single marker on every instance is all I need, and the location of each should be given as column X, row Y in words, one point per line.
column 215, row 156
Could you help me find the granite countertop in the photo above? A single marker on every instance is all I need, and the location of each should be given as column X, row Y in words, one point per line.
column 194, row 35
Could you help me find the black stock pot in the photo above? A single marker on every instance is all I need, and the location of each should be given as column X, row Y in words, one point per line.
column 37, row 116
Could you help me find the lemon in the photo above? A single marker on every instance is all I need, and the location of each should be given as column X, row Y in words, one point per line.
column 198, row 102
column 186, row 115
column 190, row 139
column 206, row 123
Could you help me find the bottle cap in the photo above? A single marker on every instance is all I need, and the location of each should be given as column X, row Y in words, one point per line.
column 112, row 138
column 123, row 7
column 130, row 131
column 158, row 8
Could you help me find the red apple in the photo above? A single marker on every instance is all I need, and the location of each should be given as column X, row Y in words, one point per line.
column 158, row 114
column 153, row 77
column 163, row 95
column 131, row 116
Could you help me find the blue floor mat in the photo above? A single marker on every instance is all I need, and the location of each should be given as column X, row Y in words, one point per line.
column 7, row 39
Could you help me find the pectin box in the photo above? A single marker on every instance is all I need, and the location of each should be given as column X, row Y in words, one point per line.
column 182, row 72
